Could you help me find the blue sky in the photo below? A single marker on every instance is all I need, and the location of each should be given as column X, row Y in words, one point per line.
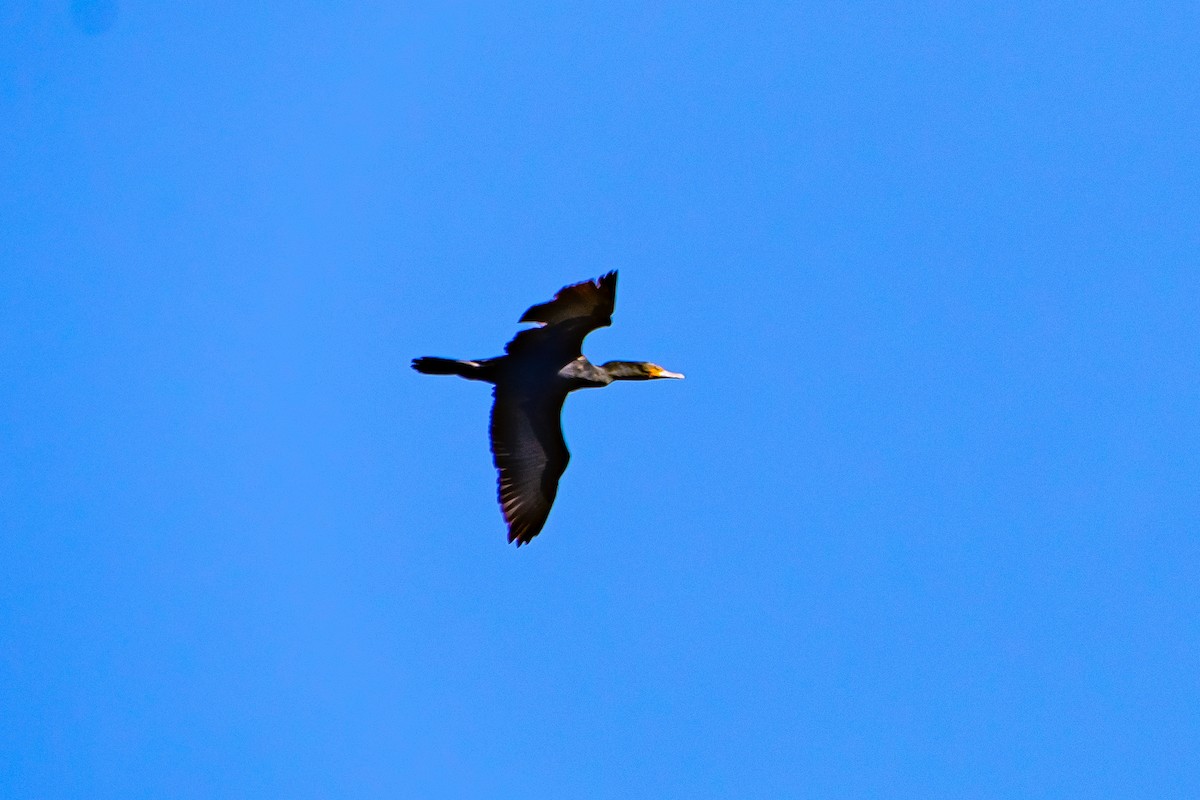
column 921, row 522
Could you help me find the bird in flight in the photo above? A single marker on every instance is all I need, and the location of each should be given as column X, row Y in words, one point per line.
column 540, row 366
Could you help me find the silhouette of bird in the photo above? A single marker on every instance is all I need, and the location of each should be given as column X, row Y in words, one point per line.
column 540, row 367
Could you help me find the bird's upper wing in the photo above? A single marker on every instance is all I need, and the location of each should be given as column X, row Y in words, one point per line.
column 591, row 300
column 575, row 311
column 530, row 454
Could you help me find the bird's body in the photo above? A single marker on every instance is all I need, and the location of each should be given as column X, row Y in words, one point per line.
column 540, row 367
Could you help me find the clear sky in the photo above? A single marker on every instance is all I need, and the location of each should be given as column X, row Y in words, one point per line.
column 921, row 522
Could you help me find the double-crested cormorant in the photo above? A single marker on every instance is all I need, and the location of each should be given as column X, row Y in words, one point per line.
column 542, row 365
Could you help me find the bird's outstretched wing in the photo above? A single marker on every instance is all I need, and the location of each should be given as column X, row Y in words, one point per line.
column 530, row 454
column 575, row 311
column 592, row 301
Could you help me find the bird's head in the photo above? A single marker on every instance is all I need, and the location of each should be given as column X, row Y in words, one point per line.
column 637, row 371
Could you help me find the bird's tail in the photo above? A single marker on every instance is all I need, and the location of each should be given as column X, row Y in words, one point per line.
column 431, row 365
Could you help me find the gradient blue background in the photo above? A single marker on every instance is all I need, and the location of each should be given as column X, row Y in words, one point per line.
column 921, row 522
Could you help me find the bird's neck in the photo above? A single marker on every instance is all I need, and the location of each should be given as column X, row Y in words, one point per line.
column 583, row 374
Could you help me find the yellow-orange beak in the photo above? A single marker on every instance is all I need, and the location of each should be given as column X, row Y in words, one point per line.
column 659, row 372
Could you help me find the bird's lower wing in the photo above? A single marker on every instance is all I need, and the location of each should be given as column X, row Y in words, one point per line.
column 530, row 455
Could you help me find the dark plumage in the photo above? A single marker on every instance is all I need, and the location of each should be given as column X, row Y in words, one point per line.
column 541, row 366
